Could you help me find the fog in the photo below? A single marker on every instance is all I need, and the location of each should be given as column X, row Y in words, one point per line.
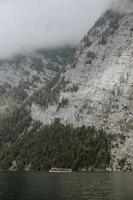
column 123, row 6
column 30, row 24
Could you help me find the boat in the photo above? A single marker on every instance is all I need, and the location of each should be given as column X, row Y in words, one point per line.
column 59, row 170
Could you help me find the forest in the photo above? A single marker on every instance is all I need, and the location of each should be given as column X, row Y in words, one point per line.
column 28, row 143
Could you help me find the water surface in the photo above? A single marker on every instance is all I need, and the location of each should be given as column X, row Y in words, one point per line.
column 66, row 186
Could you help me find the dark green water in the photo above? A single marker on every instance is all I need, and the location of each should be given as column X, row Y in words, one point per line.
column 69, row 186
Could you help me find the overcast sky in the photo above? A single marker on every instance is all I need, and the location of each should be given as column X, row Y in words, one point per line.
column 31, row 24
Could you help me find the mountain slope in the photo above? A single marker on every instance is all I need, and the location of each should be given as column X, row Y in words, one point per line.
column 32, row 70
column 99, row 86
column 97, row 72
column 95, row 90
column 22, row 75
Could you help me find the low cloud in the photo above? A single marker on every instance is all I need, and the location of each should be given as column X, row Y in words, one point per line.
column 123, row 6
column 30, row 24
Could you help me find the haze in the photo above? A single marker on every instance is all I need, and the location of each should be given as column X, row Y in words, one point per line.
column 30, row 24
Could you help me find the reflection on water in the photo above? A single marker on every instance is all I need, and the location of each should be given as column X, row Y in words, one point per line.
column 68, row 186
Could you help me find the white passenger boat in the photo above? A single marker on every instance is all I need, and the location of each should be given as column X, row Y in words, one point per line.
column 59, row 170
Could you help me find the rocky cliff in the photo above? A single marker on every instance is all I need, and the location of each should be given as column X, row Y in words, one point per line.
column 98, row 87
column 22, row 75
column 95, row 90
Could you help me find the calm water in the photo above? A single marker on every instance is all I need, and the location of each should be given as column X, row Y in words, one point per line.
column 69, row 186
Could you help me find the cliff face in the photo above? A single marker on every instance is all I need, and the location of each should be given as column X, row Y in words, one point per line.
column 102, row 75
column 22, row 75
column 32, row 70
column 95, row 89
column 99, row 85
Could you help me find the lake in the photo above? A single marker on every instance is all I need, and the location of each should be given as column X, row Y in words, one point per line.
column 66, row 186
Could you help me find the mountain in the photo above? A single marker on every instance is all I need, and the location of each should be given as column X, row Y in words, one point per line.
column 98, row 87
column 83, row 117
column 32, row 70
column 22, row 75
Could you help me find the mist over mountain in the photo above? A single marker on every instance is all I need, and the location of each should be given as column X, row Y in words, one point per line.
column 30, row 24
column 123, row 6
